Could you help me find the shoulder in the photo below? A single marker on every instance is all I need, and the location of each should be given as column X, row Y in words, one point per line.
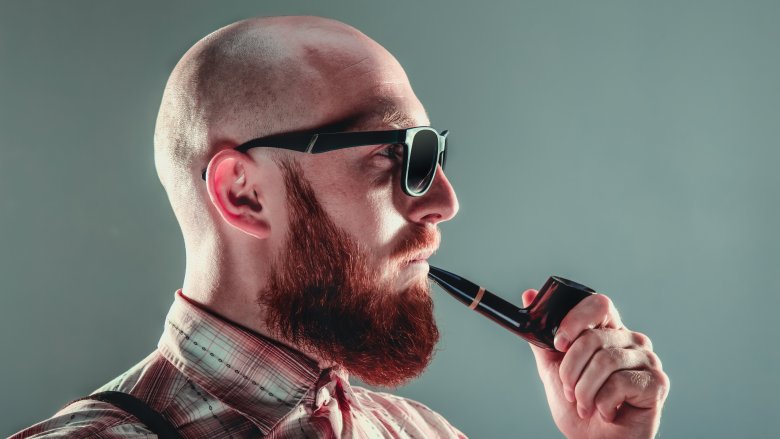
column 408, row 410
column 87, row 419
column 153, row 380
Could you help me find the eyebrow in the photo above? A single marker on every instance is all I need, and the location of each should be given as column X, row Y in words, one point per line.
column 385, row 113
column 392, row 116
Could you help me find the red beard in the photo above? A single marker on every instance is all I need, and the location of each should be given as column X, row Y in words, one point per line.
column 324, row 297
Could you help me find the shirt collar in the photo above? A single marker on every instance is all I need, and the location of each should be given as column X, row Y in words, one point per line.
column 253, row 374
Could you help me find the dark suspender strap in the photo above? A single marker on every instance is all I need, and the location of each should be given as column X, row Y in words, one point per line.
column 147, row 415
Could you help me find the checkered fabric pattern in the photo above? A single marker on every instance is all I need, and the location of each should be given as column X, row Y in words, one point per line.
column 213, row 379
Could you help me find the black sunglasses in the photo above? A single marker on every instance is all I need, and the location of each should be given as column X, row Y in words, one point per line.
column 424, row 149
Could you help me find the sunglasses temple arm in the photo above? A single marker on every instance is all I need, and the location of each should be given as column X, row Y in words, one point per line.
column 334, row 141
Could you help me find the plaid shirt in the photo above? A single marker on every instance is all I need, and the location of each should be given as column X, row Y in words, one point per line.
column 213, row 379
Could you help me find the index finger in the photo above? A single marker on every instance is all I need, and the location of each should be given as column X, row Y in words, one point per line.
column 596, row 311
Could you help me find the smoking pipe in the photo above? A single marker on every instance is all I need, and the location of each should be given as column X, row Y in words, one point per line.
column 537, row 324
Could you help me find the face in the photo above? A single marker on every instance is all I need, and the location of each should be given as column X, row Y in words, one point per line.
column 339, row 286
column 325, row 295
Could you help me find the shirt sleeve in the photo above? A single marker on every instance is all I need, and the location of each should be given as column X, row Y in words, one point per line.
column 87, row 419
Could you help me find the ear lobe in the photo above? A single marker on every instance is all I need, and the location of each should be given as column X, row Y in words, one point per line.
column 235, row 196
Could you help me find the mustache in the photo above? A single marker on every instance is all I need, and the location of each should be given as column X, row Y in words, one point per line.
column 426, row 238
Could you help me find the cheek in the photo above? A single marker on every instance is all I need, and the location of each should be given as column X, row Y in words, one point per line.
column 387, row 222
column 372, row 221
column 380, row 213
column 353, row 197
column 394, row 222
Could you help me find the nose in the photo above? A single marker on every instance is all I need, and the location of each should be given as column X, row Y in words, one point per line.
column 438, row 204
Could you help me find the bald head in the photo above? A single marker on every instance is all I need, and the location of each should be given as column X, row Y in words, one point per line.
column 258, row 77
column 310, row 248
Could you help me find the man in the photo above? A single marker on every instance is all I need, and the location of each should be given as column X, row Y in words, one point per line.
column 303, row 268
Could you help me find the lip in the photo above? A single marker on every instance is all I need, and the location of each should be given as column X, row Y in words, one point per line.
column 421, row 256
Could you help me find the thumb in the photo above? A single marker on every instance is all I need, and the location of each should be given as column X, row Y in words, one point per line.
column 528, row 297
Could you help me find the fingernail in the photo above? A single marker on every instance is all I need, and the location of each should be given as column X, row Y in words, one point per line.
column 581, row 411
column 561, row 342
column 567, row 392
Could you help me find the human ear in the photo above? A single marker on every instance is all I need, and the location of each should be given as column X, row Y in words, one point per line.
column 236, row 196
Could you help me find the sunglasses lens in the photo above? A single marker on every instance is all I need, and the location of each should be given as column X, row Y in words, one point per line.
column 422, row 160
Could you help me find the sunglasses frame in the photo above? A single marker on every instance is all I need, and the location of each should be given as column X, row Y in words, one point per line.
column 309, row 143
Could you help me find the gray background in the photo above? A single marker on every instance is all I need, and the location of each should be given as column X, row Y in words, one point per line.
column 629, row 145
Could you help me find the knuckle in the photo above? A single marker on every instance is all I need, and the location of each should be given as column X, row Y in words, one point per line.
column 588, row 340
column 662, row 384
column 591, row 339
column 653, row 360
column 642, row 340
column 602, row 302
column 609, row 358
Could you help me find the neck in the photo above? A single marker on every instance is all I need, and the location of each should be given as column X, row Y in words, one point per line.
column 238, row 305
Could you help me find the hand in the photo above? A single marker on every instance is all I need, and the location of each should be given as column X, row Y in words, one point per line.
column 606, row 382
